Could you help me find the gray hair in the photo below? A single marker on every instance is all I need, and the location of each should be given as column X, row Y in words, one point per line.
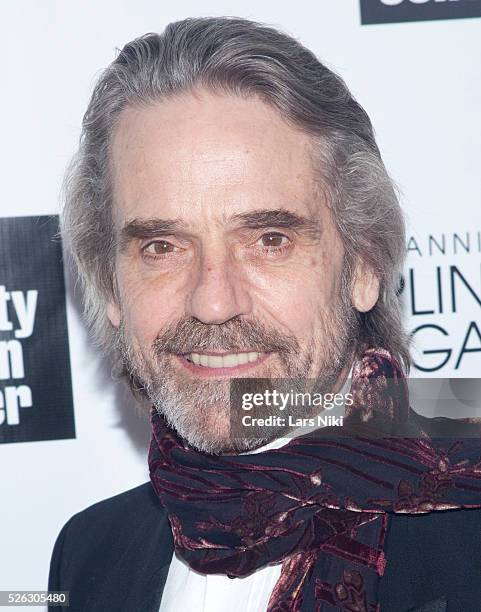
column 241, row 57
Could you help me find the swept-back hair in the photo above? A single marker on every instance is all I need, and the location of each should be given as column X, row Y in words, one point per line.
column 240, row 57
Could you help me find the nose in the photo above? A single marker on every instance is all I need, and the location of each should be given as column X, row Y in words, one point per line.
column 218, row 291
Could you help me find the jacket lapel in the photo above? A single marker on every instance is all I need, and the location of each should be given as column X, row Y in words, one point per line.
column 137, row 580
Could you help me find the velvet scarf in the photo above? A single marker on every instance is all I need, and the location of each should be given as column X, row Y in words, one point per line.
column 320, row 504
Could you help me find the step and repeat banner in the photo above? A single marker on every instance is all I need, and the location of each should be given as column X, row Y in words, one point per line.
column 70, row 435
column 34, row 350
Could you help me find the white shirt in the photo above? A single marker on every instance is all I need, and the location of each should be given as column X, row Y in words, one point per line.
column 188, row 591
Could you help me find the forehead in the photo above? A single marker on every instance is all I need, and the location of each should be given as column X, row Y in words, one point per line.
column 203, row 155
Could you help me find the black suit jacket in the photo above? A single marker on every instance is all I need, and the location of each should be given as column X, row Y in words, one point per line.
column 115, row 555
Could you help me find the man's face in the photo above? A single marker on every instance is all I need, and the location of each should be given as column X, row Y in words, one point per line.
column 228, row 262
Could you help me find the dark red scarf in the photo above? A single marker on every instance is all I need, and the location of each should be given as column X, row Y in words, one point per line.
column 320, row 504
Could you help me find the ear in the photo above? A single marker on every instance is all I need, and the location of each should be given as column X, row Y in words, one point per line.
column 365, row 288
column 113, row 313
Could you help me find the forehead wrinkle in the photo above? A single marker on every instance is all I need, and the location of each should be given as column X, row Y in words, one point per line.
column 215, row 174
column 237, row 152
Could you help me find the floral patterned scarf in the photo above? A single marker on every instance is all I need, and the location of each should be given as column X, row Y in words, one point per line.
column 320, row 504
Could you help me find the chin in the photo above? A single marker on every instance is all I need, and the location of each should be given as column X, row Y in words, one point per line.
column 221, row 444
column 207, row 428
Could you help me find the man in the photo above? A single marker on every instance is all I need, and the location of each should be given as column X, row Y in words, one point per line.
column 231, row 217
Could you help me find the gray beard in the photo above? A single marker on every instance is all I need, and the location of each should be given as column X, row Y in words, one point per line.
column 198, row 409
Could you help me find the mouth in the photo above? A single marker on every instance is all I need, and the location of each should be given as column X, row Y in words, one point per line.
column 221, row 363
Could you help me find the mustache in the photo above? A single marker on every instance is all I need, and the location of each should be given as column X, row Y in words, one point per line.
column 190, row 334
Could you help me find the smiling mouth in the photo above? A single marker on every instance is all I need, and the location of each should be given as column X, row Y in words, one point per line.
column 222, row 360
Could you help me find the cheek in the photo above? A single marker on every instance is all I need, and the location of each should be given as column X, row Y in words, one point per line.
column 147, row 307
column 295, row 296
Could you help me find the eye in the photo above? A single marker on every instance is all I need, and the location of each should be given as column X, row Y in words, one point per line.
column 276, row 240
column 158, row 247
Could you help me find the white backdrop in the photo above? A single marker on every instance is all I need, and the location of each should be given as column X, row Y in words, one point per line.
column 419, row 82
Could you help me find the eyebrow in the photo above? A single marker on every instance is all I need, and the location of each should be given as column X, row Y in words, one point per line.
column 148, row 228
column 257, row 219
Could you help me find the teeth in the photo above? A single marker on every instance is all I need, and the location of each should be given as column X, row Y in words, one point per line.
column 228, row 361
column 215, row 361
column 223, row 361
